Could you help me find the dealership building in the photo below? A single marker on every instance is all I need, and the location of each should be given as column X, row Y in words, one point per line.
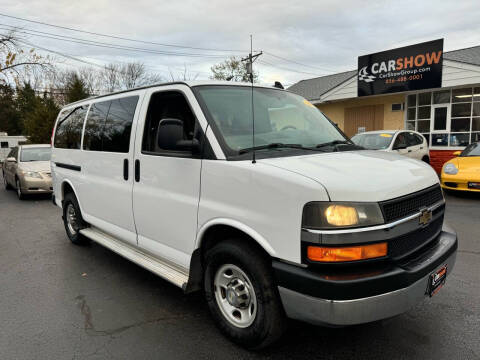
column 436, row 94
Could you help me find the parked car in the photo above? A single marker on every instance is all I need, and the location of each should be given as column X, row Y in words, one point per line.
column 408, row 143
column 27, row 169
column 463, row 172
column 290, row 220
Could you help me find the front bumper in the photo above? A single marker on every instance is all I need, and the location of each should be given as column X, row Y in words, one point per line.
column 36, row 185
column 350, row 299
column 459, row 182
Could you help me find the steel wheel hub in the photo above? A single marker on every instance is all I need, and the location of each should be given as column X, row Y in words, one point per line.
column 71, row 219
column 235, row 296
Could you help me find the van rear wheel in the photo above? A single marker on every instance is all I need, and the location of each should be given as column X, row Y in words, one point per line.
column 242, row 295
column 72, row 220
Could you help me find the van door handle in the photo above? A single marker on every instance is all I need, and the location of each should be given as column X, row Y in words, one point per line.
column 409, row 150
column 125, row 169
column 137, row 170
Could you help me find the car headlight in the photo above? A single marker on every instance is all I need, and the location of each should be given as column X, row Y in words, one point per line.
column 450, row 169
column 331, row 215
column 32, row 174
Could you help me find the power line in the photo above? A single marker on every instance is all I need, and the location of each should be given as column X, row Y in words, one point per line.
column 296, row 62
column 92, row 63
column 117, row 37
column 109, row 45
column 263, row 62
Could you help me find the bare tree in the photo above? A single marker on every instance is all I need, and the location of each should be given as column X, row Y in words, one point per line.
column 135, row 74
column 183, row 75
column 110, row 77
column 91, row 78
column 15, row 62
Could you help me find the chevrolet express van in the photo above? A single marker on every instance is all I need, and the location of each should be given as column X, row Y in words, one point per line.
column 289, row 220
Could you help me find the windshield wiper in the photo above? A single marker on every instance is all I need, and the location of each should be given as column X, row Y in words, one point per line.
column 273, row 146
column 333, row 143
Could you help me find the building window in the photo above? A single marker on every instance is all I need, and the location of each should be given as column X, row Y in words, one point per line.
column 4, row 145
column 456, row 116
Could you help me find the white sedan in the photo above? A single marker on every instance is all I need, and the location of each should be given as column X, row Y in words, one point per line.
column 408, row 143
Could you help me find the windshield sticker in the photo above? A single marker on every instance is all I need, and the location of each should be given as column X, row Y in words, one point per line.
column 385, row 135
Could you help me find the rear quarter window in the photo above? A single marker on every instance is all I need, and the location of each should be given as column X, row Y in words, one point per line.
column 68, row 134
column 109, row 125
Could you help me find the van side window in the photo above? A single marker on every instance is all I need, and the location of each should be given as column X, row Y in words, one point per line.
column 118, row 125
column 109, row 125
column 169, row 120
column 92, row 138
column 69, row 129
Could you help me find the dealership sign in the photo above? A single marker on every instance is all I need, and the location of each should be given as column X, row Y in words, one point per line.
column 412, row 67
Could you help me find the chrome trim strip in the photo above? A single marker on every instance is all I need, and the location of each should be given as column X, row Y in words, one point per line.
column 376, row 227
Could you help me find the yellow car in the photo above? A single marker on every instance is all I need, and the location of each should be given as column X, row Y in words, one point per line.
column 463, row 172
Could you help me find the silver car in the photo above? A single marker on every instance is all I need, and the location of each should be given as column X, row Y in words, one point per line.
column 27, row 169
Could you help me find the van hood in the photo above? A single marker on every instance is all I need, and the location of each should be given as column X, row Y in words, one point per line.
column 365, row 175
column 39, row 166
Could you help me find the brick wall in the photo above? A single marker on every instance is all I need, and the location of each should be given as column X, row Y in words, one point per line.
column 440, row 157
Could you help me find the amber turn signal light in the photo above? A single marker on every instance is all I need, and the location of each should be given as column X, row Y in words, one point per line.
column 350, row 253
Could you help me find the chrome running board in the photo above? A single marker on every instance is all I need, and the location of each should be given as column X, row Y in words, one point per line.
column 168, row 271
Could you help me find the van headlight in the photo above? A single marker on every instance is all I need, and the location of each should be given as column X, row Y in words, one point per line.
column 32, row 174
column 337, row 215
column 450, row 169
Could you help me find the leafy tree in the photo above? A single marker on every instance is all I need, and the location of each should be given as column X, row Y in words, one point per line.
column 39, row 122
column 76, row 89
column 232, row 69
column 9, row 115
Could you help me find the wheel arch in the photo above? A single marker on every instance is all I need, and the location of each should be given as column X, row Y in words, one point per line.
column 212, row 233
column 66, row 188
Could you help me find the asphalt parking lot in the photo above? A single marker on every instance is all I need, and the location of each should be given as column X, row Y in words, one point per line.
column 60, row 301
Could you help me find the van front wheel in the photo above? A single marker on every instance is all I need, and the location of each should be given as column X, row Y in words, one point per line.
column 72, row 219
column 242, row 295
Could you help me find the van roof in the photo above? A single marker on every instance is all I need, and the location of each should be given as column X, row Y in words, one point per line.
column 187, row 83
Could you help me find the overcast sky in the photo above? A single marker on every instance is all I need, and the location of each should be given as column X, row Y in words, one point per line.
column 327, row 36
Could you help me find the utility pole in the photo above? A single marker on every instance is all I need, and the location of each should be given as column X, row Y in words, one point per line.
column 250, row 59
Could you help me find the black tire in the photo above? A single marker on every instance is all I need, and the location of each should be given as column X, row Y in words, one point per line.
column 269, row 322
column 426, row 159
column 20, row 195
column 5, row 183
column 73, row 234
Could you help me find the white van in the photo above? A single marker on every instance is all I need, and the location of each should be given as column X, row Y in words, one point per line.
column 7, row 143
column 292, row 220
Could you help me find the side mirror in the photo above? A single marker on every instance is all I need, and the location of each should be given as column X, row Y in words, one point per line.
column 457, row 153
column 11, row 160
column 170, row 137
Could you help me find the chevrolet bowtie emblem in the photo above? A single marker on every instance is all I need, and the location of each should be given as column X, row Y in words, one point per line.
column 425, row 217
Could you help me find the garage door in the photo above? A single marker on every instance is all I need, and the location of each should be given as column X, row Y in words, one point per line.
column 363, row 118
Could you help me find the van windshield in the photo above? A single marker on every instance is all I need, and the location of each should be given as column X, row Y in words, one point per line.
column 281, row 118
column 35, row 154
column 373, row 141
